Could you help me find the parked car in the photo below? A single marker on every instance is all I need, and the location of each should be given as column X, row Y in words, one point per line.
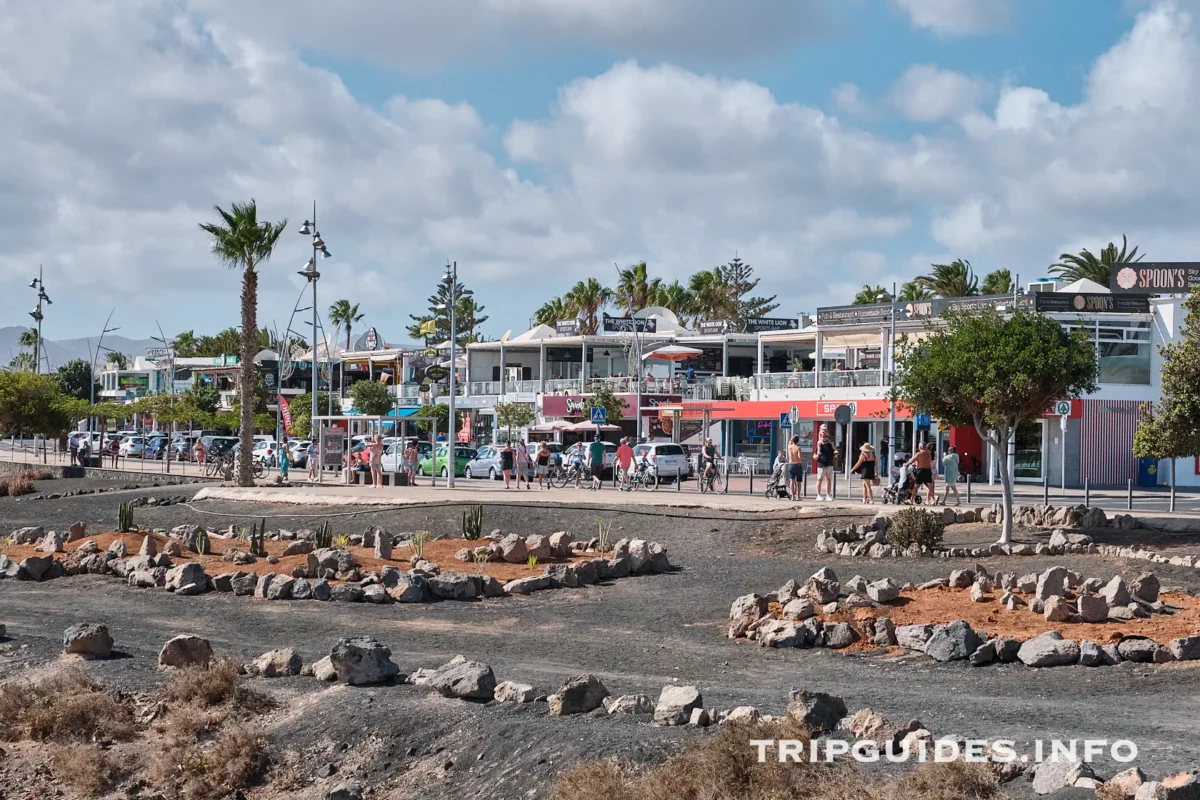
column 666, row 460
column 430, row 466
column 181, row 448
column 132, row 446
column 219, row 445
column 485, row 464
column 610, row 456
column 299, row 451
column 266, row 451
column 155, row 447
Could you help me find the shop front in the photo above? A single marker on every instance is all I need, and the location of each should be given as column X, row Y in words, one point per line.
column 571, row 408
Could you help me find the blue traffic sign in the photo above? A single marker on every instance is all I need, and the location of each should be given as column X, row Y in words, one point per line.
column 923, row 422
column 784, row 420
column 599, row 416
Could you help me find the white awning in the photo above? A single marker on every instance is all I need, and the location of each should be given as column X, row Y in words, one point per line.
column 852, row 339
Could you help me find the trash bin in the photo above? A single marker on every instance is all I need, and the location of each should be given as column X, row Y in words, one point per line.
column 1147, row 472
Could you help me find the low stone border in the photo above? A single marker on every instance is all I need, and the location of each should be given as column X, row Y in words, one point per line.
column 364, row 661
column 1059, row 594
column 424, row 581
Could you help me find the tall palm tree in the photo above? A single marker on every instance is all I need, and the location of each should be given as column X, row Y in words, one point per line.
column 635, row 289
column 1072, row 267
column 552, row 311
column 913, row 291
column 342, row 313
column 955, row 279
column 586, row 299
column 713, row 298
column 186, row 345
column 118, row 360
column 240, row 241
column 21, row 362
column 27, row 338
column 676, row 297
column 997, row 282
column 869, row 295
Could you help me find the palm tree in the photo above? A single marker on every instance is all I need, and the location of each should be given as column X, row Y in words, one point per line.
column 586, row 299
column 676, row 297
column 869, row 295
column 118, row 360
column 713, row 298
column 912, row 291
column 552, row 311
column 21, row 362
column 955, row 279
column 1085, row 265
column 240, row 241
column 342, row 313
column 27, row 338
column 186, row 345
column 998, row 282
column 635, row 289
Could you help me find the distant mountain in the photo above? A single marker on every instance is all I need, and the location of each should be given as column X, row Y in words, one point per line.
column 64, row 350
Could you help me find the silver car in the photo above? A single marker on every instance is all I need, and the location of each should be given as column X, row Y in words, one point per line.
column 486, row 463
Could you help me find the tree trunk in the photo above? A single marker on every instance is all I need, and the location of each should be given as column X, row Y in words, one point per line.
column 245, row 476
column 1003, row 436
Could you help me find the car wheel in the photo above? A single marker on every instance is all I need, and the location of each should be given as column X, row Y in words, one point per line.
column 492, row 473
column 421, row 470
column 467, row 473
column 445, row 472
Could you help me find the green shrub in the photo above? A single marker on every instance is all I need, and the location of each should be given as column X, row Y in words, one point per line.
column 915, row 526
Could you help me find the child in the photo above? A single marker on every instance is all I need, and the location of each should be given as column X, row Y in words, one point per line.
column 283, row 464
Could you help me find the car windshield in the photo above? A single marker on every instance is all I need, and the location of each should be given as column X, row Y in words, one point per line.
column 668, row 450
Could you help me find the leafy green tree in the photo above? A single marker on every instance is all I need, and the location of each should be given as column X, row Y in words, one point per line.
column 440, row 412
column 712, row 298
column 870, row 295
column 739, row 277
column 602, row 397
column 635, row 289
column 21, row 362
column 586, row 299
column 1170, row 428
column 371, row 398
column 301, row 406
column 513, row 415
column 75, row 379
column 32, row 404
column 994, row 372
column 185, row 345
column 118, row 361
column 552, row 311
column 468, row 313
column 913, row 291
column 997, row 282
column 205, row 397
column 1071, row 267
column 240, row 241
column 955, row 279
column 342, row 313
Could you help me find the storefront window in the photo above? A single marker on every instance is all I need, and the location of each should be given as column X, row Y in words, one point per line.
column 752, row 439
column 1029, row 451
column 482, row 430
column 1122, row 351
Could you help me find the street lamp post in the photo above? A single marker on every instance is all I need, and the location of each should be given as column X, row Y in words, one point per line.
column 892, row 373
column 455, row 296
column 168, row 346
column 637, row 368
column 311, row 274
column 43, row 299
column 92, row 373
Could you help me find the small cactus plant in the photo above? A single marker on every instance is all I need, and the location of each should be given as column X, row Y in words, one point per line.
column 202, row 543
column 472, row 523
column 532, row 562
column 257, row 539
column 604, row 534
column 125, row 517
column 481, row 560
column 323, row 539
column 418, row 543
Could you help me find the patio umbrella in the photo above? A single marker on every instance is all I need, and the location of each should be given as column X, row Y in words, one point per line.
column 673, row 352
column 585, row 426
column 552, row 426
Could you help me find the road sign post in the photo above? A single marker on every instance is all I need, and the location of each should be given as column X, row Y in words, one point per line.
column 842, row 416
column 793, row 416
column 599, row 416
column 785, row 421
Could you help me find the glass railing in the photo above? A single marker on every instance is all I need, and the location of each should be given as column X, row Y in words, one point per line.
column 825, row 380
column 485, row 387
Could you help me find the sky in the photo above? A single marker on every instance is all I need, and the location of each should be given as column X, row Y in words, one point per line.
column 828, row 143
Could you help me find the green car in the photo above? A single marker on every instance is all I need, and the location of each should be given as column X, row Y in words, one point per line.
column 461, row 456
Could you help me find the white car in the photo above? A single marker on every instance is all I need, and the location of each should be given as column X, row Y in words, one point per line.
column 132, row 446
column 666, row 460
column 266, row 451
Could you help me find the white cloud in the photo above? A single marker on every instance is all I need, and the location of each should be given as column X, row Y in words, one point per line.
column 925, row 93
column 957, row 17
column 420, row 34
column 848, row 97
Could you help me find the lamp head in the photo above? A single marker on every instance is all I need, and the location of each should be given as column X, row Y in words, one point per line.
column 318, row 242
column 306, row 228
column 33, row 283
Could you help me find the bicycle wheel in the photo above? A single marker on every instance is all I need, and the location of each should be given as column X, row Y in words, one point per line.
column 718, row 483
column 559, row 478
column 650, row 480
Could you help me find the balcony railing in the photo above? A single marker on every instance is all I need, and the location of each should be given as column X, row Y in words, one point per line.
column 485, row 387
column 830, row 379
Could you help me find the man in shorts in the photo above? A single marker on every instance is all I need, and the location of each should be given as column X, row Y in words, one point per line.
column 922, row 463
column 794, row 467
column 596, row 452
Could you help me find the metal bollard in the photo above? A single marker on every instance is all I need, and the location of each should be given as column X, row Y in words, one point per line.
column 1045, row 490
column 1129, row 495
column 833, row 486
column 678, row 479
column 804, row 482
column 1087, row 493
column 968, row 488
column 727, row 481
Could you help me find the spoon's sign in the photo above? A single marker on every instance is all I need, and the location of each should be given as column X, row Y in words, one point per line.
column 1154, row 277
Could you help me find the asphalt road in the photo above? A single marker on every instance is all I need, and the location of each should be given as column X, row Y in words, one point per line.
column 637, row 634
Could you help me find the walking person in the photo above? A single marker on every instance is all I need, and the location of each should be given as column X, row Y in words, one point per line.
column 922, row 462
column 950, row 475
column 625, row 462
column 73, row 444
column 794, row 467
column 283, row 464
column 409, row 458
column 543, row 466
column 524, row 465
column 507, row 456
column 825, row 459
column 867, row 468
column 310, row 456
column 596, row 451
column 375, row 459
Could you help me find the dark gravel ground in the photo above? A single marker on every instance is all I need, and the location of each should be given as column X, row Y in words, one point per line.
column 636, row 634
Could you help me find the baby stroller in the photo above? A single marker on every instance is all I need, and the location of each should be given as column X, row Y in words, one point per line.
column 777, row 486
column 900, row 485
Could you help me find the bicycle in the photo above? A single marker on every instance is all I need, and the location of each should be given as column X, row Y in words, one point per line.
column 571, row 474
column 711, row 480
column 643, row 478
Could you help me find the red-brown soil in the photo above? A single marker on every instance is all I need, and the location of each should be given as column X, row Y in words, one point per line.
column 943, row 605
column 437, row 551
